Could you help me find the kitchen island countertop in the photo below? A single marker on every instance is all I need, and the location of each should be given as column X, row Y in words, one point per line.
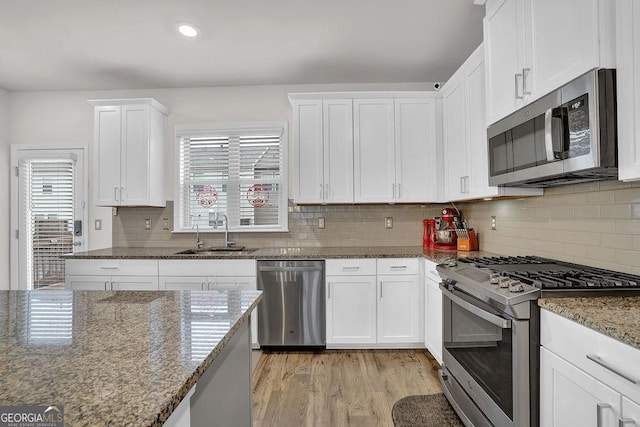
column 615, row 316
column 113, row 358
column 435, row 255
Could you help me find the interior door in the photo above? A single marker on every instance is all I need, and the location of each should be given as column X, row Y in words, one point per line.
column 49, row 215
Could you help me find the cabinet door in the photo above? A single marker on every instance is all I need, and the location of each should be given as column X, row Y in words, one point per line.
column 504, row 50
column 134, row 173
column 180, row 283
column 571, row 397
column 456, row 162
column 307, row 136
column 338, row 150
column 107, row 131
column 374, row 157
column 630, row 413
column 477, row 182
column 564, row 42
column 399, row 309
column 351, row 310
column 433, row 316
column 87, row 283
column 134, row 283
column 628, row 84
column 415, row 142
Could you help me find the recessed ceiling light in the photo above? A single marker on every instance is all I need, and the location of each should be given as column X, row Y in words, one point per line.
column 187, row 29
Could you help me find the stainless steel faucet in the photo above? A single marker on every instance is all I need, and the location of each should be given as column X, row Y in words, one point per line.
column 199, row 243
column 227, row 243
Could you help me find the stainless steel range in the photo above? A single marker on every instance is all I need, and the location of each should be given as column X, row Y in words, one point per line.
column 491, row 330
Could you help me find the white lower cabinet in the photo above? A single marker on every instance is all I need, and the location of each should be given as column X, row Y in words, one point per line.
column 111, row 275
column 373, row 303
column 433, row 311
column 586, row 378
column 351, row 309
column 570, row 397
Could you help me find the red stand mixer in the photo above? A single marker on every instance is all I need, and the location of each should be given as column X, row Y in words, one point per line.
column 440, row 232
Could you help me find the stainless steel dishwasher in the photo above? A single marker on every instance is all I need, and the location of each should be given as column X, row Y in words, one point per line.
column 292, row 313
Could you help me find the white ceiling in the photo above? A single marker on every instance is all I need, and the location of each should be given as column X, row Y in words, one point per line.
column 133, row 44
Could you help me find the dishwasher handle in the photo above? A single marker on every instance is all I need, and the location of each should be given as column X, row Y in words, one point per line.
column 270, row 268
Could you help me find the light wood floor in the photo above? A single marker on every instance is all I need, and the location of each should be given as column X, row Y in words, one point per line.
column 338, row 388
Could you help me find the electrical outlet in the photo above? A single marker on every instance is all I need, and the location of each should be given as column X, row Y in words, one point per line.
column 97, row 224
column 320, row 222
column 165, row 224
column 147, row 224
column 493, row 222
column 388, row 222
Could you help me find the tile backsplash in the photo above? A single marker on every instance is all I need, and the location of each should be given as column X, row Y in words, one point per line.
column 596, row 223
column 345, row 225
column 593, row 223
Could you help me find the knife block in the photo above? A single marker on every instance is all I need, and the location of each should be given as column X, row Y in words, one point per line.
column 470, row 244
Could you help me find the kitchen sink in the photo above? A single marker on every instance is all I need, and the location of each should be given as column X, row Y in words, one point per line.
column 233, row 250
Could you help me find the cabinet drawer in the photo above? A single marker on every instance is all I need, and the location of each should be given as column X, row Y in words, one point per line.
column 207, row 267
column 351, row 267
column 398, row 265
column 573, row 342
column 112, row 267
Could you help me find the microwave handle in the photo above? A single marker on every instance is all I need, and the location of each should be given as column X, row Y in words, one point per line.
column 555, row 133
column 489, row 317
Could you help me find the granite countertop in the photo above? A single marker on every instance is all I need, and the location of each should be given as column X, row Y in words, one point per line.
column 112, row 358
column 436, row 255
column 616, row 317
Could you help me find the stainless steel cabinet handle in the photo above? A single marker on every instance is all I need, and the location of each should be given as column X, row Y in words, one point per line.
column 489, row 317
column 113, row 286
column 326, row 191
column 121, row 192
column 600, row 407
column 525, row 73
column 398, row 267
column 380, row 289
column 329, row 290
column 202, row 286
column 399, row 191
column 517, row 86
column 597, row 359
column 106, row 286
column 115, row 194
column 626, row 422
column 393, row 191
column 462, row 184
column 347, row 268
column 320, row 192
column 108, row 268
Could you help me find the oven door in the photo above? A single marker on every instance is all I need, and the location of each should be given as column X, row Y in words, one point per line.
column 487, row 353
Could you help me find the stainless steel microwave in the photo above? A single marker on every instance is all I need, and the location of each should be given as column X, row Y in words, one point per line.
column 568, row 136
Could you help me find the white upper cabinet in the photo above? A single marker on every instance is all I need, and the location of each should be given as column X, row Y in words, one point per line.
column 415, row 150
column 129, row 138
column 374, row 150
column 323, row 134
column 535, row 46
column 466, row 174
column 628, row 82
column 371, row 147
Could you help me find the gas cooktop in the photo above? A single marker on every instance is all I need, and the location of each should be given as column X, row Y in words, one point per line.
column 549, row 274
column 508, row 281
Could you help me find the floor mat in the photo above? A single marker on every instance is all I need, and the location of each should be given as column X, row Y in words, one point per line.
column 425, row 411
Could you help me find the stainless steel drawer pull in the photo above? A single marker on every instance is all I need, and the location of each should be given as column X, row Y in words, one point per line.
column 398, row 267
column 599, row 409
column 351, row 268
column 489, row 317
column 597, row 359
column 108, row 268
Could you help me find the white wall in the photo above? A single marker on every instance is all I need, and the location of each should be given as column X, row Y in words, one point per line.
column 65, row 118
column 5, row 218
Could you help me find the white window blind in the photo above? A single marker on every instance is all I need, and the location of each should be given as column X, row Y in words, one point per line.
column 48, row 195
column 238, row 171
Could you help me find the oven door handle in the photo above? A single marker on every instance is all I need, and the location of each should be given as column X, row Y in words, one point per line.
column 489, row 317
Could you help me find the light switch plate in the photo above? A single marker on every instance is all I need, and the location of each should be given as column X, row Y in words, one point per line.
column 493, row 222
column 165, row 224
column 97, row 224
column 320, row 222
column 147, row 224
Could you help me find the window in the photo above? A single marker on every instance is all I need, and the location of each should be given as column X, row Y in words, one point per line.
column 237, row 170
